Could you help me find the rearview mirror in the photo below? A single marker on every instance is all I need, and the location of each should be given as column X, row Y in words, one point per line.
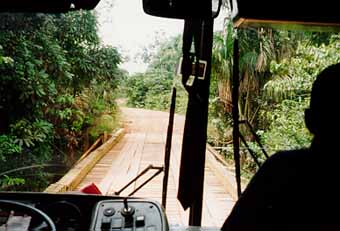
column 181, row 9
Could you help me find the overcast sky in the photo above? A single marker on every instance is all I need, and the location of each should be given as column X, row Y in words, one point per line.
column 123, row 24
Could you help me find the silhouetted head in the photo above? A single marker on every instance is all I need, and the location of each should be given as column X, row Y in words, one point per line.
column 323, row 116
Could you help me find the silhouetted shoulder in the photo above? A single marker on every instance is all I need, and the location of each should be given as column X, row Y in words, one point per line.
column 281, row 164
column 270, row 190
column 284, row 156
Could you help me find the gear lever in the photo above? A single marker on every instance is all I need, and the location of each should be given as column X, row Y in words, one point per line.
column 127, row 211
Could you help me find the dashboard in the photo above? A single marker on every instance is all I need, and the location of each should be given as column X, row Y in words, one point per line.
column 68, row 212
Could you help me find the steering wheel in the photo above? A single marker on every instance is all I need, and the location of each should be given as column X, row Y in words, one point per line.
column 14, row 205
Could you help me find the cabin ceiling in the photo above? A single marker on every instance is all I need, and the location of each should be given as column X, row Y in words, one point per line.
column 46, row 6
column 289, row 14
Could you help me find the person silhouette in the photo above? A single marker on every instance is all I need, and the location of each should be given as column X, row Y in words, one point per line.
column 299, row 189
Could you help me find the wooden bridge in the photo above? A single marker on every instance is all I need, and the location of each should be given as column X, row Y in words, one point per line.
column 142, row 143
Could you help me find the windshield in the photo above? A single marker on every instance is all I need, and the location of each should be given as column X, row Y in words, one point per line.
column 64, row 93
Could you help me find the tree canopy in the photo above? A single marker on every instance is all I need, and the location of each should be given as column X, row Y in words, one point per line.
column 54, row 74
column 277, row 69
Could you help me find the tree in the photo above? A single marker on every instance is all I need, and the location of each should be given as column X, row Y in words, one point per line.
column 47, row 64
column 286, row 95
column 152, row 89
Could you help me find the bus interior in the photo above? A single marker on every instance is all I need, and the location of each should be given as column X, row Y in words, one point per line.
column 74, row 211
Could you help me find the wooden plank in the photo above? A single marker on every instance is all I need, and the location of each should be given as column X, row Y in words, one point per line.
column 72, row 179
column 120, row 169
column 143, row 145
column 224, row 175
column 93, row 146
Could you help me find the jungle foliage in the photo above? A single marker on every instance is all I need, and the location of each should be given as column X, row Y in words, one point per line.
column 288, row 92
column 277, row 69
column 152, row 89
column 55, row 79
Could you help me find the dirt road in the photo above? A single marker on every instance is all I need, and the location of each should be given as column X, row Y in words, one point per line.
column 144, row 144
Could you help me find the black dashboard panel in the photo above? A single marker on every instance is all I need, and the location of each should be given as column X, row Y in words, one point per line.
column 129, row 215
column 94, row 212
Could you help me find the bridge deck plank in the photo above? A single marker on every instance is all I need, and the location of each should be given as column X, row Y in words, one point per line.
column 143, row 145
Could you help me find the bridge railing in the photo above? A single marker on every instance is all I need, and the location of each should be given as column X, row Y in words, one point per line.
column 76, row 174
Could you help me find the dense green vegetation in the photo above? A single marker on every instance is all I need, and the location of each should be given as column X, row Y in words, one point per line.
column 277, row 69
column 152, row 89
column 55, row 80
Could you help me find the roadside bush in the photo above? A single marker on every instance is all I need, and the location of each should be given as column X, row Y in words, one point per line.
column 49, row 64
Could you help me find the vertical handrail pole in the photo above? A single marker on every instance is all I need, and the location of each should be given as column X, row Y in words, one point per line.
column 235, row 114
column 206, row 41
column 168, row 147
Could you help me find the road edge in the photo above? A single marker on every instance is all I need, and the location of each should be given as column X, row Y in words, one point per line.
column 77, row 173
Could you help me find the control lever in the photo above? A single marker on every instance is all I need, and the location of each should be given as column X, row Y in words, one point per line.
column 128, row 214
column 127, row 211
